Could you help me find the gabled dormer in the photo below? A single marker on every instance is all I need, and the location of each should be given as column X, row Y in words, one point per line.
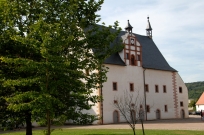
column 132, row 50
column 139, row 51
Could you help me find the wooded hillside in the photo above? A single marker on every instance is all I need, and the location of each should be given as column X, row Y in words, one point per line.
column 195, row 89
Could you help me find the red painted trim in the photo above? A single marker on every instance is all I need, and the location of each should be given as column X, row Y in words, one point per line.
column 146, row 88
column 115, row 83
column 131, row 87
column 148, row 108
column 164, row 89
column 135, row 51
column 156, row 88
column 175, row 95
column 165, row 108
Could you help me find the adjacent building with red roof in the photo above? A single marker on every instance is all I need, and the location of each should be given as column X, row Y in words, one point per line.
column 200, row 103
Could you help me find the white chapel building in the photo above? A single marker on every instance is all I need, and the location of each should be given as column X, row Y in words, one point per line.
column 141, row 68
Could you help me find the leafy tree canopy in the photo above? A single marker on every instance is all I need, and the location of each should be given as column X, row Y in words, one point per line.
column 45, row 48
column 195, row 89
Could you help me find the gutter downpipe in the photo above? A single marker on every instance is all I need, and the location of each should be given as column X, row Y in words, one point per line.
column 101, row 102
column 101, row 106
column 145, row 94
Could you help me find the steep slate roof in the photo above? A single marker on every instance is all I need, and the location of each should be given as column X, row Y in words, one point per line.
column 115, row 59
column 151, row 56
column 200, row 100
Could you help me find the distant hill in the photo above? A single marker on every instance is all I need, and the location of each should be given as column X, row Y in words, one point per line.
column 195, row 89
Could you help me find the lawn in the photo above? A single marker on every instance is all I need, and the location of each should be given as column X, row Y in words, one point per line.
column 110, row 132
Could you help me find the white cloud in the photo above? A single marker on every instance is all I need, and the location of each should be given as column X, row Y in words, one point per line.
column 178, row 29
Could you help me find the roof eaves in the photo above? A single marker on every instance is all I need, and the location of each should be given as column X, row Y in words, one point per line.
column 173, row 70
column 115, row 64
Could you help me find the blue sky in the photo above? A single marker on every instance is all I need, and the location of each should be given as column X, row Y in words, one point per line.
column 178, row 29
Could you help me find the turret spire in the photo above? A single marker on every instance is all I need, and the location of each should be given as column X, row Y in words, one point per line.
column 128, row 28
column 149, row 28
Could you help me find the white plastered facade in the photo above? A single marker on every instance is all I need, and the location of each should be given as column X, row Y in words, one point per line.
column 170, row 103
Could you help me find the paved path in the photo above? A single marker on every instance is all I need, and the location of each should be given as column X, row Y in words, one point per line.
column 192, row 123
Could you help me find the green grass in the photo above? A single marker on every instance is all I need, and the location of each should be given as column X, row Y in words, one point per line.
column 110, row 132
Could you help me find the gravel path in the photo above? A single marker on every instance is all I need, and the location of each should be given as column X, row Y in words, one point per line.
column 192, row 123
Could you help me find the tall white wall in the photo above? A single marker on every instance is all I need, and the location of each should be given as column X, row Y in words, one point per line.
column 159, row 100
column 123, row 75
column 182, row 97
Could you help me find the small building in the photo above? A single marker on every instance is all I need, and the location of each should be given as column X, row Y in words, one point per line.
column 200, row 103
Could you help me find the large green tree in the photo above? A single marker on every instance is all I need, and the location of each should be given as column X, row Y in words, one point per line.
column 46, row 48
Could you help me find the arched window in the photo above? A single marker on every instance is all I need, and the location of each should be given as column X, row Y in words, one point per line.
column 182, row 114
column 158, row 114
column 138, row 58
column 133, row 116
column 115, row 117
column 132, row 60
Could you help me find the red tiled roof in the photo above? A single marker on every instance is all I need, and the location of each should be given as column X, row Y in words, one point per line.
column 200, row 100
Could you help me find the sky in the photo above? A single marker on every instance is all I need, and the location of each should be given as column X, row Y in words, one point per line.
column 178, row 29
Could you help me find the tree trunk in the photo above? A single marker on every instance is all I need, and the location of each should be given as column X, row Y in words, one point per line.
column 28, row 123
column 48, row 123
column 133, row 131
column 142, row 127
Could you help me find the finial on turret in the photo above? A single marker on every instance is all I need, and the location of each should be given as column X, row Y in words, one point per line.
column 128, row 28
column 149, row 28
